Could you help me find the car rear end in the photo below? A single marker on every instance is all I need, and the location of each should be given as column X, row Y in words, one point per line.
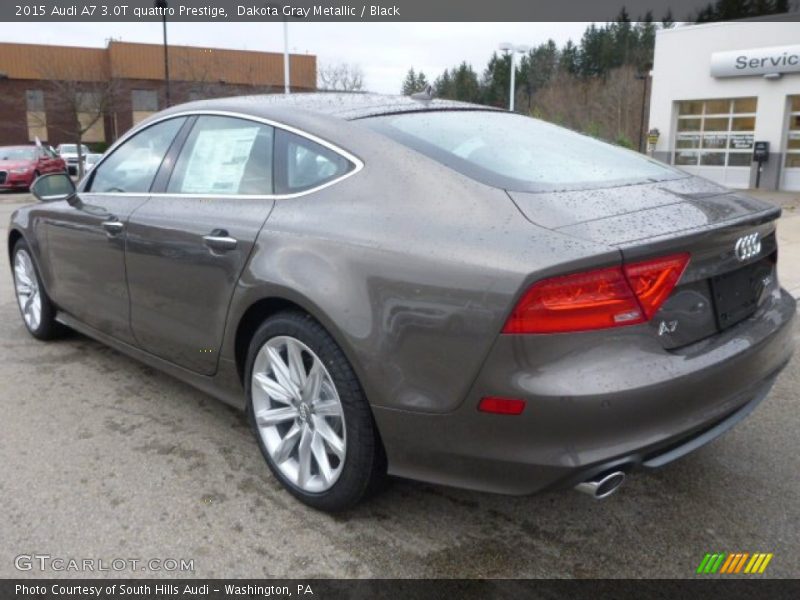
column 622, row 365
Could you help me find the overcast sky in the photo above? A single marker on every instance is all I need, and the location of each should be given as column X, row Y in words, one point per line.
column 384, row 51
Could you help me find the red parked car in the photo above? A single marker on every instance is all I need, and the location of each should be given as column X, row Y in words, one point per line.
column 20, row 165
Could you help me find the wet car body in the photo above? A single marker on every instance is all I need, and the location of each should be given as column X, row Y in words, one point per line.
column 414, row 268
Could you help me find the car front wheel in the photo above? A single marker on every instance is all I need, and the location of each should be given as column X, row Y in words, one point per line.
column 38, row 313
column 310, row 415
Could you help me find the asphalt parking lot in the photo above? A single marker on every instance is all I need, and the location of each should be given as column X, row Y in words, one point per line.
column 102, row 457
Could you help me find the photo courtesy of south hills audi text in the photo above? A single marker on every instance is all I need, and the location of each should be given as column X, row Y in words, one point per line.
column 124, row 590
column 399, row 299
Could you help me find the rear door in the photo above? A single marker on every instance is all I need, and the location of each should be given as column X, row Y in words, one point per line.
column 187, row 246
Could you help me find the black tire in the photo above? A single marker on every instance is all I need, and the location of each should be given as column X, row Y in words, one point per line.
column 364, row 469
column 48, row 327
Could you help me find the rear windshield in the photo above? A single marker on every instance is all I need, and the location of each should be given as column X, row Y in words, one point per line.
column 519, row 153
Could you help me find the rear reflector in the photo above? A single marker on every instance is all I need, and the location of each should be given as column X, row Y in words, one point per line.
column 501, row 406
column 597, row 299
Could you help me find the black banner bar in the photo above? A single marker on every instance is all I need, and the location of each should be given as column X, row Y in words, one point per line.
column 348, row 10
column 744, row 588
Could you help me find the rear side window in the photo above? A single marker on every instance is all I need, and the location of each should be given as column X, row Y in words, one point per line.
column 225, row 156
column 301, row 164
column 132, row 166
column 518, row 153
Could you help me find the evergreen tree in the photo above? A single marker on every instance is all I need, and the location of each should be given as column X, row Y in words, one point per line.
column 422, row 82
column 496, row 78
column 409, row 83
column 465, row 84
column 443, row 86
column 569, row 61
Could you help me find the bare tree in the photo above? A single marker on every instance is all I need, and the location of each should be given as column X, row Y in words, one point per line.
column 80, row 97
column 341, row 77
column 608, row 108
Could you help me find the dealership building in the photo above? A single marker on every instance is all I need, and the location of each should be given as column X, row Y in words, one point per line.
column 49, row 92
column 718, row 90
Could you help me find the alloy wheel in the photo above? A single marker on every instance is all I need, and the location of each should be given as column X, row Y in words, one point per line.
column 298, row 414
column 27, row 288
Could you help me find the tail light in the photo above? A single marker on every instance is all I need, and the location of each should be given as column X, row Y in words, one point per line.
column 598, row 299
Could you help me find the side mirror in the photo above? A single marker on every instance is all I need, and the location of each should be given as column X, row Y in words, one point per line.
column 53, row 187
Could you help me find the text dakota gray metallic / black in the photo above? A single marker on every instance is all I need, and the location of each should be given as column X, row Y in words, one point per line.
column 424, row 288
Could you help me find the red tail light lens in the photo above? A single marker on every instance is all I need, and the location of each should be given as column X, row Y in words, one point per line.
column 597, row 299
column 653, row 281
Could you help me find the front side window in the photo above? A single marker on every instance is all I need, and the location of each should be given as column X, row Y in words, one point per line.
column 133, row 166
column 302, row 164
column 225, row 156
column 518, row 153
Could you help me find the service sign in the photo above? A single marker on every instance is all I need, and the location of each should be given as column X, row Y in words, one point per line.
column 757, row 61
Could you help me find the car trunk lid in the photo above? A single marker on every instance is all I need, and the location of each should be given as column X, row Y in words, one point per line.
column 720, row 287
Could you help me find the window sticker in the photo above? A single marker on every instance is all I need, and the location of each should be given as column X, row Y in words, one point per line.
column 218, row 160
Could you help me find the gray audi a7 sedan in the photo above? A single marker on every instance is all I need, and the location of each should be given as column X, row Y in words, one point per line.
column 424, row 288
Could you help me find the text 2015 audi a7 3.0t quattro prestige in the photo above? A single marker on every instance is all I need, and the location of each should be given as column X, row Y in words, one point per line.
column 431, row 289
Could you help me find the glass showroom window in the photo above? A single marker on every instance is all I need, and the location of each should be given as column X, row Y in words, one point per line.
column 793, row 136
column 144, row 103
column 36, row 115
column 715, row 133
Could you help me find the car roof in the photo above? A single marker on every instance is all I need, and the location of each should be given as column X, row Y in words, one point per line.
column 346, row 106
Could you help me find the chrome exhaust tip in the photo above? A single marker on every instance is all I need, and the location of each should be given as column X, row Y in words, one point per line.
column 603, row 487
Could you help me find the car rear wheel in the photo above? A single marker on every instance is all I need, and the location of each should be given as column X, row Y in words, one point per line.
column 309, row 414
column 38, row 313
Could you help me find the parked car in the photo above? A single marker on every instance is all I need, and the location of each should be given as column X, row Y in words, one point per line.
column 91, row 160
column 69, row 152
column 432, row 289
column 20, row 165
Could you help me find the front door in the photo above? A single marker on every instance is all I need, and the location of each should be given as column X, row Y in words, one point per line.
column 86, row 239
column 188, row 245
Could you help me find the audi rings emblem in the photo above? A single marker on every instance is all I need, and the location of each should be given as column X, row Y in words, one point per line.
column 747, row 247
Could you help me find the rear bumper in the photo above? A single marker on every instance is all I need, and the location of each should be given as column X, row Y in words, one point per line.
column 609, row 402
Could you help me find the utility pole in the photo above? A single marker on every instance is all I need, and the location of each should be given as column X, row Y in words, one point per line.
column 162, row 4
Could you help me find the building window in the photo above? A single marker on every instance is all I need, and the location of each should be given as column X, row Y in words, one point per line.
column 91, row 109
column 36, row 115
column 793, row 136
column 145, row 103
column 715, row 133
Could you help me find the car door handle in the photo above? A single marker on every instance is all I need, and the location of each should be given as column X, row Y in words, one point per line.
column 220, row 240
column 113, row 226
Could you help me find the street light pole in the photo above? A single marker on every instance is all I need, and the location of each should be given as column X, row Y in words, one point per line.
column 162, row 4
column 506, row 47
column 287, row 88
